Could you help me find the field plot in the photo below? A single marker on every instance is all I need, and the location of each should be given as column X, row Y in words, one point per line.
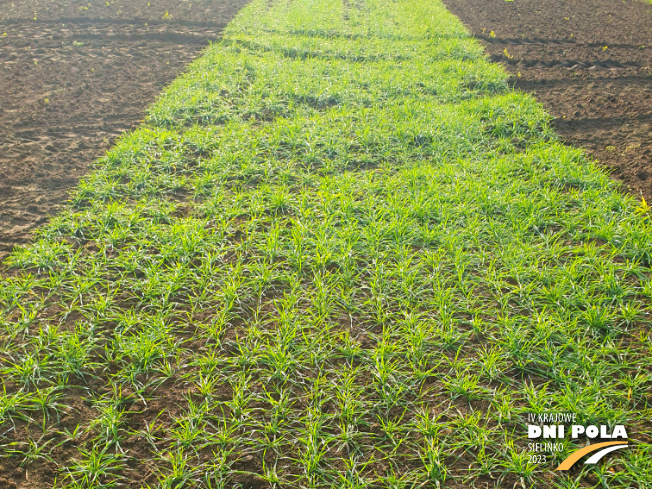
column 589, row 62
column 340, row 252
column 73, row 76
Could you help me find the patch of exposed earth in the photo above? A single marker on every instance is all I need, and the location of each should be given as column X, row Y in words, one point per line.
column 74, row 75
column 589, row 62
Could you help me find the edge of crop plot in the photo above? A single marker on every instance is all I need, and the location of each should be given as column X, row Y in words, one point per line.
column 341, row 252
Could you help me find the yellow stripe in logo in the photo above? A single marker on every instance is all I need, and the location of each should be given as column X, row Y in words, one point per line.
column 575, row 456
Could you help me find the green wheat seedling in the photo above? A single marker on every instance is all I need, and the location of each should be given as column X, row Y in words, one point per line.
column 339, row 252
column 95, row 468
column 29, row 452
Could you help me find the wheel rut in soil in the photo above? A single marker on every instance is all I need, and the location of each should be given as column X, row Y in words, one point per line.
column 589, row 62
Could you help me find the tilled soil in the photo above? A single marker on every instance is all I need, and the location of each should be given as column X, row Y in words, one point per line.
column 76, row 74
column 589, row 62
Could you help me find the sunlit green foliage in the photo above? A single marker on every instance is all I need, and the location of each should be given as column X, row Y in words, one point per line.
column 341, row 252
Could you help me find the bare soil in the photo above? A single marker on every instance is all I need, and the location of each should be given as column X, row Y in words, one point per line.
column 74, row 75
column 589, row 62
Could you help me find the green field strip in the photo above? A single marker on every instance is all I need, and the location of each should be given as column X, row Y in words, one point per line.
column 340, row 252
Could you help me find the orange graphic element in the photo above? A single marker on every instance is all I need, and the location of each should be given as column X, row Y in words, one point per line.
column 575, row 456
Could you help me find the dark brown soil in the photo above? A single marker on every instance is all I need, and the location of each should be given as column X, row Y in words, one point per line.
column 589, row 62
column 73, row 76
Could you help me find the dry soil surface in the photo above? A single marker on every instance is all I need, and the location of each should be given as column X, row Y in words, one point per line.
column 76, row 74
column 589, row 62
